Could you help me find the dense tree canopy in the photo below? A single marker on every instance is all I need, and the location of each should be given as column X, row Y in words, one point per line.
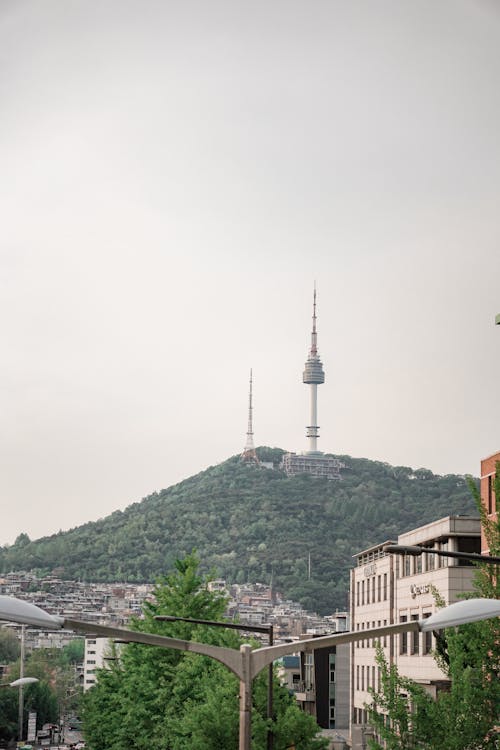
column 174, row 700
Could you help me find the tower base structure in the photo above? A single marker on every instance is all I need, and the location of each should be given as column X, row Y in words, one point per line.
column 316, row 464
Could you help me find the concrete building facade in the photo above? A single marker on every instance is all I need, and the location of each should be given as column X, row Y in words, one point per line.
column 387, row 589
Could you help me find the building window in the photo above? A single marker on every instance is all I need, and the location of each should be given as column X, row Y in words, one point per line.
column 362, row 678
column 415, row 636
column 418, row 564
column 443, row 561
column 379, row 587
column 385, row 587
column 357, row 594
column 403, row 638
column 357, row 677
column 362, row 592
column 407, row 565
column 431, row 561
column 427, row 644
column 373, row 678
column 491, row 496
column 368, row 591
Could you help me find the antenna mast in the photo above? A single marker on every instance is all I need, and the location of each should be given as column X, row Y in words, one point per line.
column 249, row 455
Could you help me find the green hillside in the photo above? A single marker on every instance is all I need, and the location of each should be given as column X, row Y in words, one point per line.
column 249, row 523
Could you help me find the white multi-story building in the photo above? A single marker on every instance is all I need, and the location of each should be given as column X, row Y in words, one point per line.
column 387, row 589
column 96, row 651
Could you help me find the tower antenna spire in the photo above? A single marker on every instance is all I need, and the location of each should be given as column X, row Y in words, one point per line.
column 314, row 335
column 249, row 455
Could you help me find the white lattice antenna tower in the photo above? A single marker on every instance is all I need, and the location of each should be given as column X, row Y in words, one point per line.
column 249, row 453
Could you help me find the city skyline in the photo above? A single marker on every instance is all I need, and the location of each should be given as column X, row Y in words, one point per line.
column 173, row 182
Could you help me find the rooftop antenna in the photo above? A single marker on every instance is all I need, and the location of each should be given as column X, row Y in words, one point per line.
column 249, row 455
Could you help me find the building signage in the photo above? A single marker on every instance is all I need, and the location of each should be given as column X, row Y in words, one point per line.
column 415, row 590
column 31, row 726
column 370, row 570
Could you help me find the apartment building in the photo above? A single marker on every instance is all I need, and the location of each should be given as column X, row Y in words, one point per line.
column 387, row 589
column 96, row 652
column 321, row 684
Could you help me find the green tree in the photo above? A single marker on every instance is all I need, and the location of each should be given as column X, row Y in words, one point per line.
column 174, row 700
column 468, row 716
column 9, row 646
column 8, row 714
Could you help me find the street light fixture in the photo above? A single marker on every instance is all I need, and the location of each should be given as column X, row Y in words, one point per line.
column 245, row 663
column 268, row 629
column 19, row 682
column 404, row 549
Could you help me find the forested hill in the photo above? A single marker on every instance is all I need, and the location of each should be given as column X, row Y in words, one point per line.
column 248, row 523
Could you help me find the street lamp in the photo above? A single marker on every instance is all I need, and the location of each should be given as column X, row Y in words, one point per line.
column 404, row 549
column 245, row 663
column 268, row 629
column 19, row 682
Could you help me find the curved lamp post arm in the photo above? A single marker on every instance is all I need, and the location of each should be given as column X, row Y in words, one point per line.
column 460, row 613
column 17, row 610
column 263, row 656
column 416, row 550
column 230, row 657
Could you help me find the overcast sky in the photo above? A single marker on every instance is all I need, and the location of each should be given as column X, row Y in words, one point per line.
column 174, row 176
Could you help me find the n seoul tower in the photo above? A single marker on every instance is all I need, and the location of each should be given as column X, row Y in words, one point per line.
column 312, row 461
column 313, row 376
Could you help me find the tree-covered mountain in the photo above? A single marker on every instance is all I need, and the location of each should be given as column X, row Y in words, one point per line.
column 249, row 523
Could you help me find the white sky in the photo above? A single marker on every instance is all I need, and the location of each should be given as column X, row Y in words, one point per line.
column 173, row 177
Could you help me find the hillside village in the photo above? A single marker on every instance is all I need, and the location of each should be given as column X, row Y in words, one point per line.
column 117, row 603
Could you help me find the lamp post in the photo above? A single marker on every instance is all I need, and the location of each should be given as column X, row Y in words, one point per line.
column 245, row 663
column 268, row 629
column 20, row 683
column 404, row 549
